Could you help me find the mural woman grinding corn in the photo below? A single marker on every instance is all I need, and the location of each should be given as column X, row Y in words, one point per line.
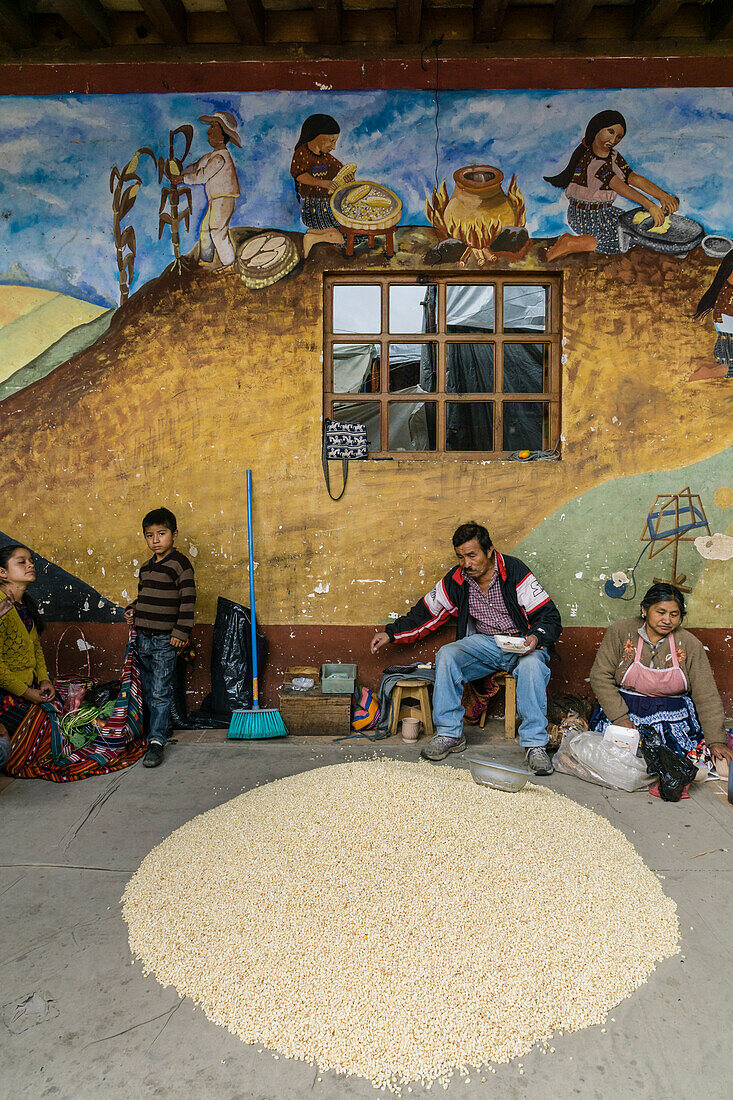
column 592, row 178
column 313, row 169
column 718, row 300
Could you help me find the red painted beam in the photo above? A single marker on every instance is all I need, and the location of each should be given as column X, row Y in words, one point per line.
column 455, row 74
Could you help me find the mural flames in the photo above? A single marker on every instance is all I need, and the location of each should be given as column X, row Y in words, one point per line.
column 477, row 211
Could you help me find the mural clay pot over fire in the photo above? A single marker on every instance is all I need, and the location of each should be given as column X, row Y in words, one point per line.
column 478, row 209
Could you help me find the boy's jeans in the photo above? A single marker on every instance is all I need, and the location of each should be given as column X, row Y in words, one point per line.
column 476, row 656
column 157, row 667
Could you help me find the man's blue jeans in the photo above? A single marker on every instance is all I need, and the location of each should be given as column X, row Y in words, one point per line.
column 478, row 655
column 157, row 668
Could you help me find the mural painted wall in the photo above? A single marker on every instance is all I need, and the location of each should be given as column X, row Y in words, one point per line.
column 213, row 362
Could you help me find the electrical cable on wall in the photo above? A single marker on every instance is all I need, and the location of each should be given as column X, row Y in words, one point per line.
column 617, row 591
column 536, row 456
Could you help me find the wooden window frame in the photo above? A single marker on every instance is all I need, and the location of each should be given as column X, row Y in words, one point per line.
column 552, row 337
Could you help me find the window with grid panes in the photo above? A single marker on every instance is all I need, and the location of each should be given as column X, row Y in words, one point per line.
column 436, row 365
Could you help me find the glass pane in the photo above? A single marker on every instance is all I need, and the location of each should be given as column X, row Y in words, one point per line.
column 470, row 308
column 410, row 426
column 469, row 426
column 412, row 309
column 357, row 308
column 360, row 412
column 526, row 368
column 525, row 425
column 355, row 368
column 469, row 368
column 411, row 365
column 526, row 308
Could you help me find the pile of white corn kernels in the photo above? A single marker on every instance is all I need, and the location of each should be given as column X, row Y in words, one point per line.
column 396, row 921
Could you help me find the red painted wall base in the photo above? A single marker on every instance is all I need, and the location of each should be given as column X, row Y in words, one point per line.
column 317, row 645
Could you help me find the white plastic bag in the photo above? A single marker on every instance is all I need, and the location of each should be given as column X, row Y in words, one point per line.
column 588, row 756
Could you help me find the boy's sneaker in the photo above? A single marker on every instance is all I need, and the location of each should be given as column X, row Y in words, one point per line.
column 539, row 761
column 438, row 747
column 154, row 756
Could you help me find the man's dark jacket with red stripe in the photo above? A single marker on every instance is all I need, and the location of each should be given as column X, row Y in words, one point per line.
column 530, row 608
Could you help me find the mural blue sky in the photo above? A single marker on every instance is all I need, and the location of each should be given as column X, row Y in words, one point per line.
column 56, row 154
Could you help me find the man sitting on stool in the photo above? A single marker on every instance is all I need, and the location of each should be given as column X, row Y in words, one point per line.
column 489, row 593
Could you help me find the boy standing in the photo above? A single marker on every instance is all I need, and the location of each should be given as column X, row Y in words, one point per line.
column 163, row 617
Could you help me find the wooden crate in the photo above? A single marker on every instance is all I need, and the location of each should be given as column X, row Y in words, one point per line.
column 310, row 713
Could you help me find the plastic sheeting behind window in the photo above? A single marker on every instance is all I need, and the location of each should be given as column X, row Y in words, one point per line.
column 407, row 422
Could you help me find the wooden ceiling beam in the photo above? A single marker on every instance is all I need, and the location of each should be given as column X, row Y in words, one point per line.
column 87, row 19
column 249, row 19
column 329, row 16
column 488, row 19
column 570, row 15
column 721, row 19
column 15, row 27
column 409, row 20
column 652, row 16
column 168, row 18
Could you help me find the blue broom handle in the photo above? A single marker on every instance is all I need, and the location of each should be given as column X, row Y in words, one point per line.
column 253, row 624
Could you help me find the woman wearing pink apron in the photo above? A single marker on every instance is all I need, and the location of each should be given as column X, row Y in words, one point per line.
column 649, row 671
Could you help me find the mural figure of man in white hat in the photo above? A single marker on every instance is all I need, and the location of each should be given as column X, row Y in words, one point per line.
column 216, row 172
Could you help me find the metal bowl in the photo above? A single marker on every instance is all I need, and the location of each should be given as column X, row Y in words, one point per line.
column 716, row 245
column 502, row 777
column 683, row 234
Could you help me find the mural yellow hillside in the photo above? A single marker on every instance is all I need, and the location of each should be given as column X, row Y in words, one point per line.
column 199, row 378
column 31, row 320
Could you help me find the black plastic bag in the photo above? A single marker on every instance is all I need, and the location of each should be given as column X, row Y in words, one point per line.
column 100, row 694
column 231, row 660
column 673, row 770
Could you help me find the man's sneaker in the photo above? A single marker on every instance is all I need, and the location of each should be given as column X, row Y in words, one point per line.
column 438, row 747
column 154, row 756
column 539, row 761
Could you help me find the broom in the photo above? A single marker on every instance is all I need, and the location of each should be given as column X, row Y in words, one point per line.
column 248, row 725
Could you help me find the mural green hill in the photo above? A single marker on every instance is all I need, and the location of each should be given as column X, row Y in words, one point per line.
column 32, row 325
column 583, row 543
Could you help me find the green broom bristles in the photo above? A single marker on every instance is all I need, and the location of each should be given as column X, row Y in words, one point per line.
column 248, row 725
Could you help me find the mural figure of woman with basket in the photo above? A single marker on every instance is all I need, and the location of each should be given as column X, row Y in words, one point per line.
column 718, row 301
column 317, row 174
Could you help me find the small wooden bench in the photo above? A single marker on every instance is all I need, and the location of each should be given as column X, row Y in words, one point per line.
column 417, row 689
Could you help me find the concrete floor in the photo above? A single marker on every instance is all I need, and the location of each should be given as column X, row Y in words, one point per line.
column 68, row 851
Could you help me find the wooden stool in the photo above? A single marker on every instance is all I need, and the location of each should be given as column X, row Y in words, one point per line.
column 388, row 235
column 418, row 688
column 510, row 705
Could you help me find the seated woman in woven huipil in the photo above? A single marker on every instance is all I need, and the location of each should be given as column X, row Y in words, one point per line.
column 32, row 744
column 650, row 672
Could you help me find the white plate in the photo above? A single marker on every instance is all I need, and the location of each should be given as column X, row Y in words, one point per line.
column 511, row 644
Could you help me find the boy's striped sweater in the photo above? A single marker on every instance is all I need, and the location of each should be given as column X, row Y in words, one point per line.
column 166, row 595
